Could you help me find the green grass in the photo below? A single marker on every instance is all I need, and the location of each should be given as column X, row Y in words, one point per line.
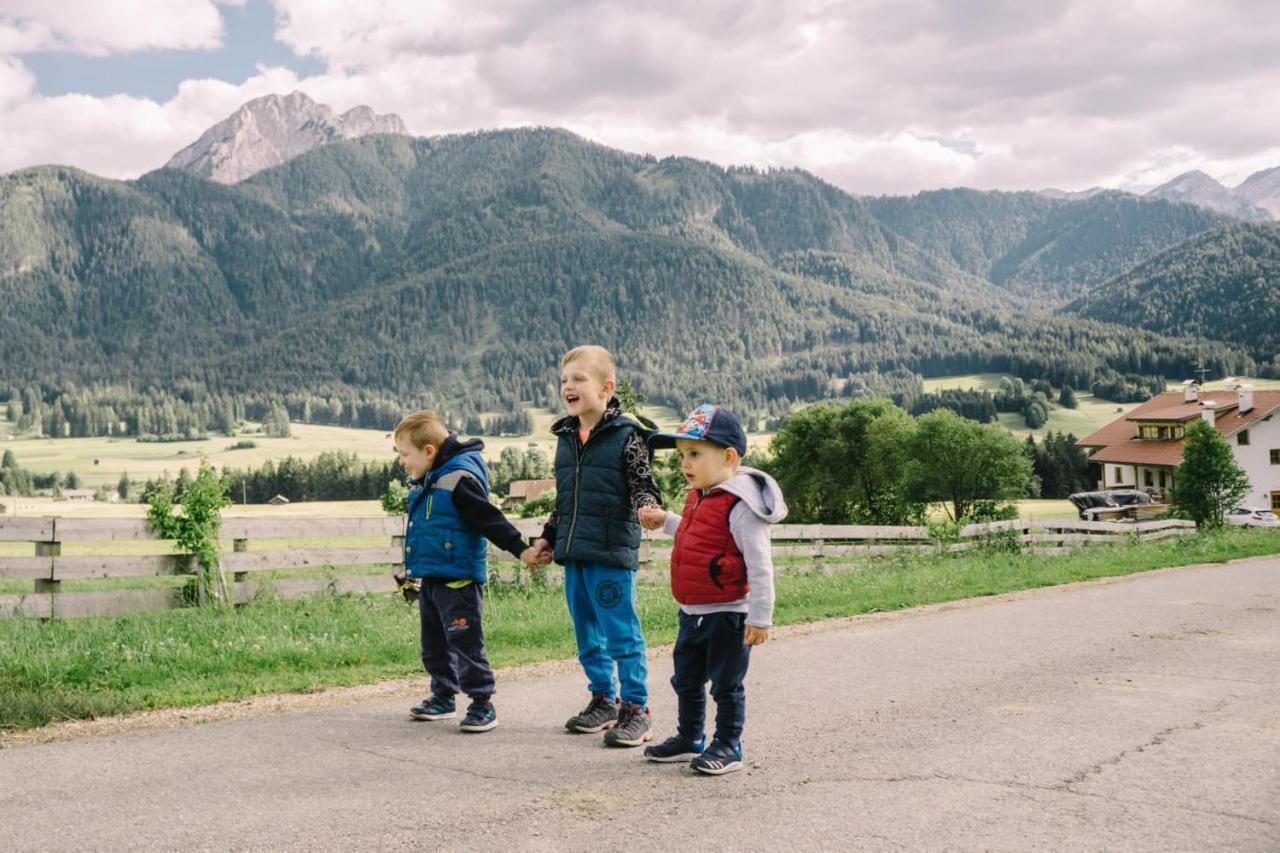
column 73, row 669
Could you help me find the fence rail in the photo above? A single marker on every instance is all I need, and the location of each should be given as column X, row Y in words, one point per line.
column 252, row 545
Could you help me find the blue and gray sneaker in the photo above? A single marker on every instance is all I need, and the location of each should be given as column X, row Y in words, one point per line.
column 480, row 717
column 718, row 759
column 674, row 749
column 434, row 708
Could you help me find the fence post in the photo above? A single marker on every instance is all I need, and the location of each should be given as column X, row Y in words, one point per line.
column 50, row 584
column 239, row 546
column 818, row 555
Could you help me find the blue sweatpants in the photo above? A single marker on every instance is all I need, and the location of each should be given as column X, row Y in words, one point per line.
column 602, row 603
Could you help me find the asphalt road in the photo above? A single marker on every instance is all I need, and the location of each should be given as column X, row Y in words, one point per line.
column 1139, row 714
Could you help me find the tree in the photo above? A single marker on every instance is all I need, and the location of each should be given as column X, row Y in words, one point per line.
column 1208, row 482
column 72, row 480
column 1059, row 464
column 196, row 528
column 513, row 465
column 123, row 486
column 276, row 423
column 843, row 464
column 965, row 464
column 1036, row 414
column 8, row 460
column 184, row 483
column 629, row 397
column 1067, row 399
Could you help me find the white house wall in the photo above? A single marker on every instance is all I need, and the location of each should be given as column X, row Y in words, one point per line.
column 1255, row 459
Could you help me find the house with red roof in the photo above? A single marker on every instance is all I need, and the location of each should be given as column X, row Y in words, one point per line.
column 1141, row 449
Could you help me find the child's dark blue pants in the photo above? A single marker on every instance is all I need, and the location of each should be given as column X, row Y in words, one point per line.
column 453, row 639
column 709, row 648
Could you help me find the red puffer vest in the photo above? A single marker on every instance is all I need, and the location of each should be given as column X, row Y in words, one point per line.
column 706, row 565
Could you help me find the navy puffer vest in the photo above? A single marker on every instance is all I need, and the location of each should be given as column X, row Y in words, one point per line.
column 595, row 522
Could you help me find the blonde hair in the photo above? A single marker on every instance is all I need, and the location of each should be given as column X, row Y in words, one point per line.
column 423, row 428
column 600, row 359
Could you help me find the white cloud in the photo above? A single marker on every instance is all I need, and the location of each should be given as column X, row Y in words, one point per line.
column 873, row 95
column 96, row 28
column 16, row 81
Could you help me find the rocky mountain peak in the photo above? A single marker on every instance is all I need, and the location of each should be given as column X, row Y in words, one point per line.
column 1196, row 187
column 271, row 130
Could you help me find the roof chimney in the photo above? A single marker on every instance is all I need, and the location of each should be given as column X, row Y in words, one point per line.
column 1244, row 396
column 1209, row 412
column 1190, row 391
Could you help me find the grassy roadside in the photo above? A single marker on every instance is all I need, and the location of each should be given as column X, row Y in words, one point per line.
column 59, row 670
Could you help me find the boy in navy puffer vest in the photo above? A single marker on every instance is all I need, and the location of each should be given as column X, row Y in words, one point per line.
column 722, row 575
column 449, row 518
column 602, row 478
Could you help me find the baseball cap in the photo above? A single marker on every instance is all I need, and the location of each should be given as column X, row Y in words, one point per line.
column 706, row 423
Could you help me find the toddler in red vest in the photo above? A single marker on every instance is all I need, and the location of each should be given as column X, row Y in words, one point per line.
column 722, row 576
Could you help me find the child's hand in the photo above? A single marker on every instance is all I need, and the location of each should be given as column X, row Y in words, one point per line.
column 754, row 636
column 652, row 517
column 544, row 551
column 532, row 557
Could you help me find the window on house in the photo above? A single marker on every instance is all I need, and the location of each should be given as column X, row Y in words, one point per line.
column 1275, row 501
column 1242, row 437
column 1162, row 479
column 1148, row 477
column 1119, row 476
column 1275, row 456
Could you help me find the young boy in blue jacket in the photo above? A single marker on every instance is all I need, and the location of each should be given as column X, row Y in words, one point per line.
column 449, row 519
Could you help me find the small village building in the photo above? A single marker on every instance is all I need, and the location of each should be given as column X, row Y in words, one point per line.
column 522, row 491
column 1141, row 449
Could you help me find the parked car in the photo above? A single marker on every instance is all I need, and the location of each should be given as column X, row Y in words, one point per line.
column 1252, row 517
column 1106, row 502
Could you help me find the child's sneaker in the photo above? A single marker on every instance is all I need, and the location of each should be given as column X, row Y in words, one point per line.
column 633, row 727
column 674, row 749
column 599, row 714
column 718, row 759
column 481, row 717
column 434, row 708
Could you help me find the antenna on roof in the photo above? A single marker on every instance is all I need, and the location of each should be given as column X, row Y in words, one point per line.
column 1201, row 369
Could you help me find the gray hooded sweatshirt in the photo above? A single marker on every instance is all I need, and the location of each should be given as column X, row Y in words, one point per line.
column 760, row 505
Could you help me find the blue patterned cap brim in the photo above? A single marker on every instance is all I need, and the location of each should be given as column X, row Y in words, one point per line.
column 695, row 428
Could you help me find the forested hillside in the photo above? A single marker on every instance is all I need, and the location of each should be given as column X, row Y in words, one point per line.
column 1223, row 285
column 457, row 269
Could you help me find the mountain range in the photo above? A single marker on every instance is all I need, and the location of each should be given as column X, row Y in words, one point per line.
column 1200, row 189
column 464, row 265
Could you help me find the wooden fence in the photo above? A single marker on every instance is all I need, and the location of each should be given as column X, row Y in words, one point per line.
column 255, row 545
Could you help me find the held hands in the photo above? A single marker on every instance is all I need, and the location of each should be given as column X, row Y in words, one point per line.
column 754, row 636
column 651, row 517
column 536, row 555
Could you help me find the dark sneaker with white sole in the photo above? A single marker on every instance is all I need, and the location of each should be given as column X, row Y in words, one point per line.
column 632, row 728
column 481, row 717
column 434, row 708
column 600, row 714
column 718, row 759
column 674, row 749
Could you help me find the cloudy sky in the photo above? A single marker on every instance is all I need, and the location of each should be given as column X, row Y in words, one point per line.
column 877, row 96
